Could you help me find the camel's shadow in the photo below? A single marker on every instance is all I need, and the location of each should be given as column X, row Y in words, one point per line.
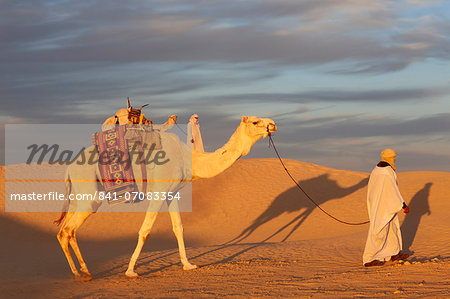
column 418, row 206
column 321, row 189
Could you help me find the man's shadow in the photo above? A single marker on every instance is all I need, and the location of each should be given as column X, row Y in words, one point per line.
column 321, row 189
column 418, row 207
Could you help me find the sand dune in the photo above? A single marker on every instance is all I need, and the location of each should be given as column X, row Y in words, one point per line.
column 247, row 223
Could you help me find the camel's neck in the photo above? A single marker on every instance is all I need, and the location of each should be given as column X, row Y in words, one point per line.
column 207, row 165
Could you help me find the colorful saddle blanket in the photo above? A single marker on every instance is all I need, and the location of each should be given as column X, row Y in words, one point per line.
column 114, row 163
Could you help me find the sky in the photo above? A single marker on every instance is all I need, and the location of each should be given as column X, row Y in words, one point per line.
column 342, row 79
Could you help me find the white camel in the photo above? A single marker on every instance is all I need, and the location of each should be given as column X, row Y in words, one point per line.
column 82, row 179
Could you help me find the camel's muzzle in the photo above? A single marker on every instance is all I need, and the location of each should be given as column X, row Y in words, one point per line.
column 271, row 128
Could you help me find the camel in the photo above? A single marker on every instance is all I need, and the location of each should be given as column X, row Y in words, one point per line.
column 184, row 165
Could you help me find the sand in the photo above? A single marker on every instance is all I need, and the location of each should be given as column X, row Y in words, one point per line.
column 252, row 232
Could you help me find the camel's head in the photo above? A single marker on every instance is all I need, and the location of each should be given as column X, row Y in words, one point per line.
column 258, row 127
column 172, row 119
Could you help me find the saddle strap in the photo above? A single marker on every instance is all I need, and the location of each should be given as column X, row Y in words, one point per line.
column 143, row 165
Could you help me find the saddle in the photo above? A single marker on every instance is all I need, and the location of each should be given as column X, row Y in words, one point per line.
column 136, row 117
column 113, row 146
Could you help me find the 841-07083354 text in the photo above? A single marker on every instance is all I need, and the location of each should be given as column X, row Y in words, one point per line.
column 134, row 196
column 98, row 195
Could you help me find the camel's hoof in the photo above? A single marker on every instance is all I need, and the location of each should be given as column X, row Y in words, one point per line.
column 189, row 267
column 131, row 274
column 79, row 277
column 86, row 273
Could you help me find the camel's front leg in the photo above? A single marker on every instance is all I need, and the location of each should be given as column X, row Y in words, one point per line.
column 178, row 230
column 144, row 232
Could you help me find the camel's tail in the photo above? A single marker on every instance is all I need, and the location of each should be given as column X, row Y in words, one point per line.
column 67, row 202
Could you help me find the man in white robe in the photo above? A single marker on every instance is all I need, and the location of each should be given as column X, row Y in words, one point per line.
column 384, row 201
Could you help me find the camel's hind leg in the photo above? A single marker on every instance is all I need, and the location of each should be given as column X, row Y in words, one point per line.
column 64, row 242
column 67, row 235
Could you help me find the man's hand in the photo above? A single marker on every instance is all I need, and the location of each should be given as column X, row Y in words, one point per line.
column 405, row 208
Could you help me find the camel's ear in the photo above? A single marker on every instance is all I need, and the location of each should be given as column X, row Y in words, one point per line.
column 128, row 103
column 244, row 118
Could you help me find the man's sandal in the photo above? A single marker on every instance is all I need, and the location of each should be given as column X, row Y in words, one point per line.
column 374, row 263
column 399, row 256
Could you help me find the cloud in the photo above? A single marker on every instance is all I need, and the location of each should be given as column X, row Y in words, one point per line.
column 423, row 2
column 87, row 92
column 283, row 32
column 341, row 96
column 362, row 126
column 361, row 154
column 76, row 61
column 355, row 141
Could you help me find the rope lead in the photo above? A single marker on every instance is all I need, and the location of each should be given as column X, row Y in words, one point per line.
column 289, row 174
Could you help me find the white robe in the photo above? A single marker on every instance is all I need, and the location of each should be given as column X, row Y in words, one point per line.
column 384, row 201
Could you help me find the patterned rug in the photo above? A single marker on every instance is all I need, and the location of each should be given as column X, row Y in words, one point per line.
column 114, row 163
